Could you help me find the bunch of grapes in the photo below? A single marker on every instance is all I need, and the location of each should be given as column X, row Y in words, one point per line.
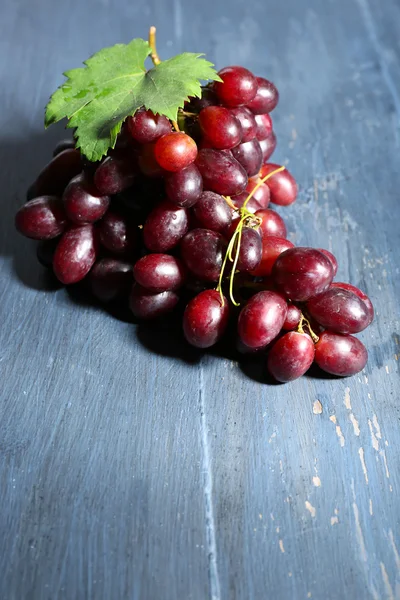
column 178, row 213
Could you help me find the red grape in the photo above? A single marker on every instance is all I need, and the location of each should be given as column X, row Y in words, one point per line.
column 117, row 234
column 203, row 251
column 147, row 127
column 175, row 151
column 238, row 86
column 261, row 319
column 263, row 126
column 332, row 258
column 290, row 356
column 272, row 247
column 220, row 127
column 292, row 318
column 302, row 273
column 75, row 254
column 165, row 226
column 262, row 193
column 359, row 293
column 268, row 147
column 250, row 250
column 42, row 218
column 282, row 185
column 212, row 212
column 247, row 122
column 250, row 156
column 147, row 162
column 83, row 203
column 184, row 187
column 56, row 175
column 205, row 319
column 221, row 172
column 272, row 224
column 339, row 310
column 342, row 355
column 110, row 279
column 159, row 272
column 146, row 305
column 114, row 175
column 265, row 99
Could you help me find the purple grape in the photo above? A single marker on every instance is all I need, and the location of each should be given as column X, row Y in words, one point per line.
column 212, row 212
column 159, row 272
column 165, row 227
column 302, row 273
column 147, row 127
column 146, row 305
column 115, row 175
column 292, row 318
column 247, row 121
column 56, row 175
column 83, row 203
column 184, row 187
column 205, row 319
column 117, row 234
column 203, row 251
column 250, row 156
column 42, row 218
column 360, row 294
column 266, row 97
column 75, row 254
column 342, row 355
column 250, row 250
column 268, row 147
column 339, row 310
column 238, row 86
column 221, row 172
column 263, row 126
column 290, row 356
column 261, row 320
column 220, row 126
column 110, row 279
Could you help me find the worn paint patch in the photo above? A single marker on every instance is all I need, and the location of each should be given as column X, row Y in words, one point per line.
column 334, row 520
column 346, row 400
column 317, row 407
column 394, row 548
column 354, row 422
column 364, row 466
column 374, row 439
column 371, row 510
column 359, row 533
column 281, row 546
column 338, row 430
column 387, row 584
column 316, row 481
column 311, row 509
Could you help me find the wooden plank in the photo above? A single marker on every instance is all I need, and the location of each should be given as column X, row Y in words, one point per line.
column 127, row 469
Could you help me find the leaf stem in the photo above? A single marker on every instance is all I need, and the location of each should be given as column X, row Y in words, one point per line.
column 152, row 43
column 175, row 125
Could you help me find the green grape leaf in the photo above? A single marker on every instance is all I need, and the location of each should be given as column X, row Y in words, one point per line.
column 97, row 98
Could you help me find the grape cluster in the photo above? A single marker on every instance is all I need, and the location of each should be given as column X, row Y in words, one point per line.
column 179, row 212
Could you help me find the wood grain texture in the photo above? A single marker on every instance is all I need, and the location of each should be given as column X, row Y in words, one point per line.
column 131, row 468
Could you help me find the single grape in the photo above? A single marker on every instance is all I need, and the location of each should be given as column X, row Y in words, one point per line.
column 332, row 258
column 184, row 187
column 56, row 175
column 262, row 193
column 265, row 99
column 175, row 151
column 110, row 279
column 272, row 247
column 292, row 318
column 147, row 162
column 272, row 224
column 62, row 145
column 290, row 356
column 238, row 86
column 263, row 126
column 83, row 203
column 165, row 227
column 268, row 147
column 117, row 234
column 261, row 320
column 339, row 311
column 114, row 175
column 146, row 305
column 301, row 273
column 203, row 251
column 342, row 355
column 42, row 218
column 147, row 127
column 205, row 319
column 360, row 294
column 45, row 252
column 250, row 156
column 75, row 254
column 159, row 272
column 282, row 185
column 212, row 212
column 221, row 172
column 247, row 122
column 250, row 250
column 221, row 128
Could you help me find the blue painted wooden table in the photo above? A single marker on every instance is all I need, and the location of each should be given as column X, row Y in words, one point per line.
column 129, row 471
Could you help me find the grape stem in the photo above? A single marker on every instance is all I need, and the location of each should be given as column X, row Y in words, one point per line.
column 157, row 60
column 246, row 219
column 152, row 43
column 300, row 328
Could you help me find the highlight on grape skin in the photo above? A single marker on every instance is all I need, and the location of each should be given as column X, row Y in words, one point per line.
column 177, row 218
